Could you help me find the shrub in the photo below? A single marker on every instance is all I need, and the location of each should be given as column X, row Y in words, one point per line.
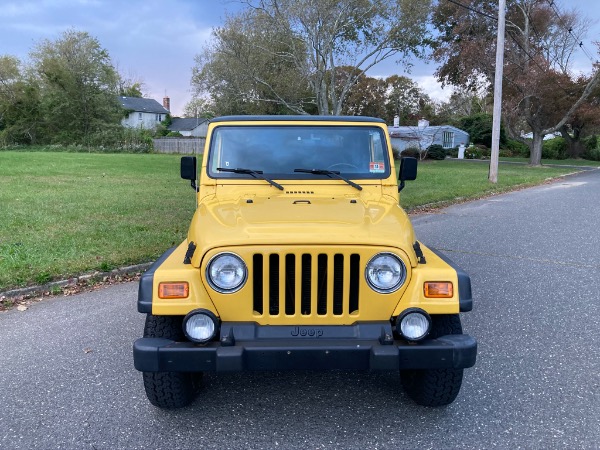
column 554, row 149
column 591, row 142
column 120, row 139
column 484, row 151
column 396, row 153
column 479, row 127
column 516, row 148
column 473, row 153
column 174, row 134
column 436, row 151
column 452, row 152
column 592, row 154
column 412, row 152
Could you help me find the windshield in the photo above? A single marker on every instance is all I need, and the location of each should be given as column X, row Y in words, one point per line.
column 358, row 152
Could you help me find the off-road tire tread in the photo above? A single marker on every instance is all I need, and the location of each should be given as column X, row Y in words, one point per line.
column 435, row 387
column 169, row 389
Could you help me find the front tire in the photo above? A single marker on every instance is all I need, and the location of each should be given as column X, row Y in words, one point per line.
column 435, row 387
column 169, row 389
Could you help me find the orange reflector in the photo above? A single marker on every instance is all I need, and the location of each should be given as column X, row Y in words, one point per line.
column 438, row 289
column 173, row 290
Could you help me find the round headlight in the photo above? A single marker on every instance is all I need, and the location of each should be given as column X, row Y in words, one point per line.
column 226, row 273
column 413, row 324
column 200, row 326
column 385, row 273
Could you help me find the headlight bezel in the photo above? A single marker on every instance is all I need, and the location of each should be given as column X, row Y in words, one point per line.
column 215, row 286
column 393, row 288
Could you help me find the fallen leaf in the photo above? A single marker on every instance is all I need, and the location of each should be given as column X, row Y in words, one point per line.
column 87, row 350
column 22, row 308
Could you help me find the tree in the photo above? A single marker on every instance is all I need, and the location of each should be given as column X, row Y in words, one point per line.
column 366, row 97
column 245, row 70
column 308, row 43
column 479, row 127
column 405, row 99
column 20, row 115
column 129, row 85
column 199, row 107
column 78, row 86
column 538, row 88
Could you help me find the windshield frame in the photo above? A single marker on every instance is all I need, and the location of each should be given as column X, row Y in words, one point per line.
column 373, row 172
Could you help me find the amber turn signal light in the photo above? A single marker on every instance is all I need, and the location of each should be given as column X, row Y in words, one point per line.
column 438, row 289
column 174, row 290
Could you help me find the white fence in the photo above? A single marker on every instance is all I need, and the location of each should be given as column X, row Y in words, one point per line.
column 186, row 146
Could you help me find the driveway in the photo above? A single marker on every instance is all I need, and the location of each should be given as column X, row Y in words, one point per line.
column 67, row 379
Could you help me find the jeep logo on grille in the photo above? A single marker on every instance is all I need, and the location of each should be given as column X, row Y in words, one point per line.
column 307, row 332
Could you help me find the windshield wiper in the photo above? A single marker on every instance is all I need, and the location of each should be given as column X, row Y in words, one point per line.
column 330, row 173
column 254, row 173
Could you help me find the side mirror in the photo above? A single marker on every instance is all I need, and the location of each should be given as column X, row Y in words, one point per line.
column 408, row 171
column 188, row 170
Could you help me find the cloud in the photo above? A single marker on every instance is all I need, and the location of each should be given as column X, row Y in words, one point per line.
column 433, row 88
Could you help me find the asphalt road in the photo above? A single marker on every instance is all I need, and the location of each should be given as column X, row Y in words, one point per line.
column 67, row 379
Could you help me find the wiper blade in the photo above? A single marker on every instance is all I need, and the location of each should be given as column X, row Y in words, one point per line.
column 330, row 173
column 254, row 173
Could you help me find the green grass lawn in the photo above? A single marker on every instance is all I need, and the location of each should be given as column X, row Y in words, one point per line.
column 63, row 214
column 443, row 182
column 559, row 162
column 68, row 213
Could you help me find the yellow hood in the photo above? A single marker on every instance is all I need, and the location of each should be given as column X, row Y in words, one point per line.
column 297, row 220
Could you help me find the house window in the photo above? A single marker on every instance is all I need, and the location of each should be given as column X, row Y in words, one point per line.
column 448, row 139
column 159, row 117
column 139, row 116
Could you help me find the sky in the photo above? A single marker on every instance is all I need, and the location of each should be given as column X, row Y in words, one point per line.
column 155, row 41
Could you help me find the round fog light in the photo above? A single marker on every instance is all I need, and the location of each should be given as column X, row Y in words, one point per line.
column 414, row 324
column 200, row 326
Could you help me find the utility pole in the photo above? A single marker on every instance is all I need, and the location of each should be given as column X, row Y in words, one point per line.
column 493, row 173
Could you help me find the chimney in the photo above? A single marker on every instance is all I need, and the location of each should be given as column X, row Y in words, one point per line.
column 167, row 103
column 396, row 121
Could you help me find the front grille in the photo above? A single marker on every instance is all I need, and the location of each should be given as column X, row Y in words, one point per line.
column 306, row 284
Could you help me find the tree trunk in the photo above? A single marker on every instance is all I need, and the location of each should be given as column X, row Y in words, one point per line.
column 535, row 158
column 574, row 145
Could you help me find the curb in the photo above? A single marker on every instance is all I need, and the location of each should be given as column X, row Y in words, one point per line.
column 39, row 290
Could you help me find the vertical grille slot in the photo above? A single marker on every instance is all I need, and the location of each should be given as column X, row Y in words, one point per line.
column 274, row 284
column 290, row 284
column 338, row 284
column 322, row 284
column 257, row 283
column 354, row 283
column 311, row 285
column 306, row 284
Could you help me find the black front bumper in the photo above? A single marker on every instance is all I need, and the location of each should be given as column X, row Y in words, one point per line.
column 362, row 346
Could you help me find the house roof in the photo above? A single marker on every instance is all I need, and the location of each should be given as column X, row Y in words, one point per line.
column 408, row 132
column 139, row 104
column 185, row 124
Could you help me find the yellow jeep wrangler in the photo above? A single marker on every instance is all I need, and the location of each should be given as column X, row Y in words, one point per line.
column 300, row 257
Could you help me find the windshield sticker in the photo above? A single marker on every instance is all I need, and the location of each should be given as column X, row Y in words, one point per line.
column 376, row 167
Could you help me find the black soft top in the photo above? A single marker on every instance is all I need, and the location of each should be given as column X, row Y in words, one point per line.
column 304, row 118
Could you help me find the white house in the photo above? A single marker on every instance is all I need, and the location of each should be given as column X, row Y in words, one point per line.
column 423, row 136
column 143, row 112
column 196, row 127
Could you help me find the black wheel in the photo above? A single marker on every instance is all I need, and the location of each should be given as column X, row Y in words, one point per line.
column 435, row 387
column 169, row 389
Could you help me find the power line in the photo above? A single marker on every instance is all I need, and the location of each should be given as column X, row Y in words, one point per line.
column 569, row 29
column 476, row 11
column 515, row 40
